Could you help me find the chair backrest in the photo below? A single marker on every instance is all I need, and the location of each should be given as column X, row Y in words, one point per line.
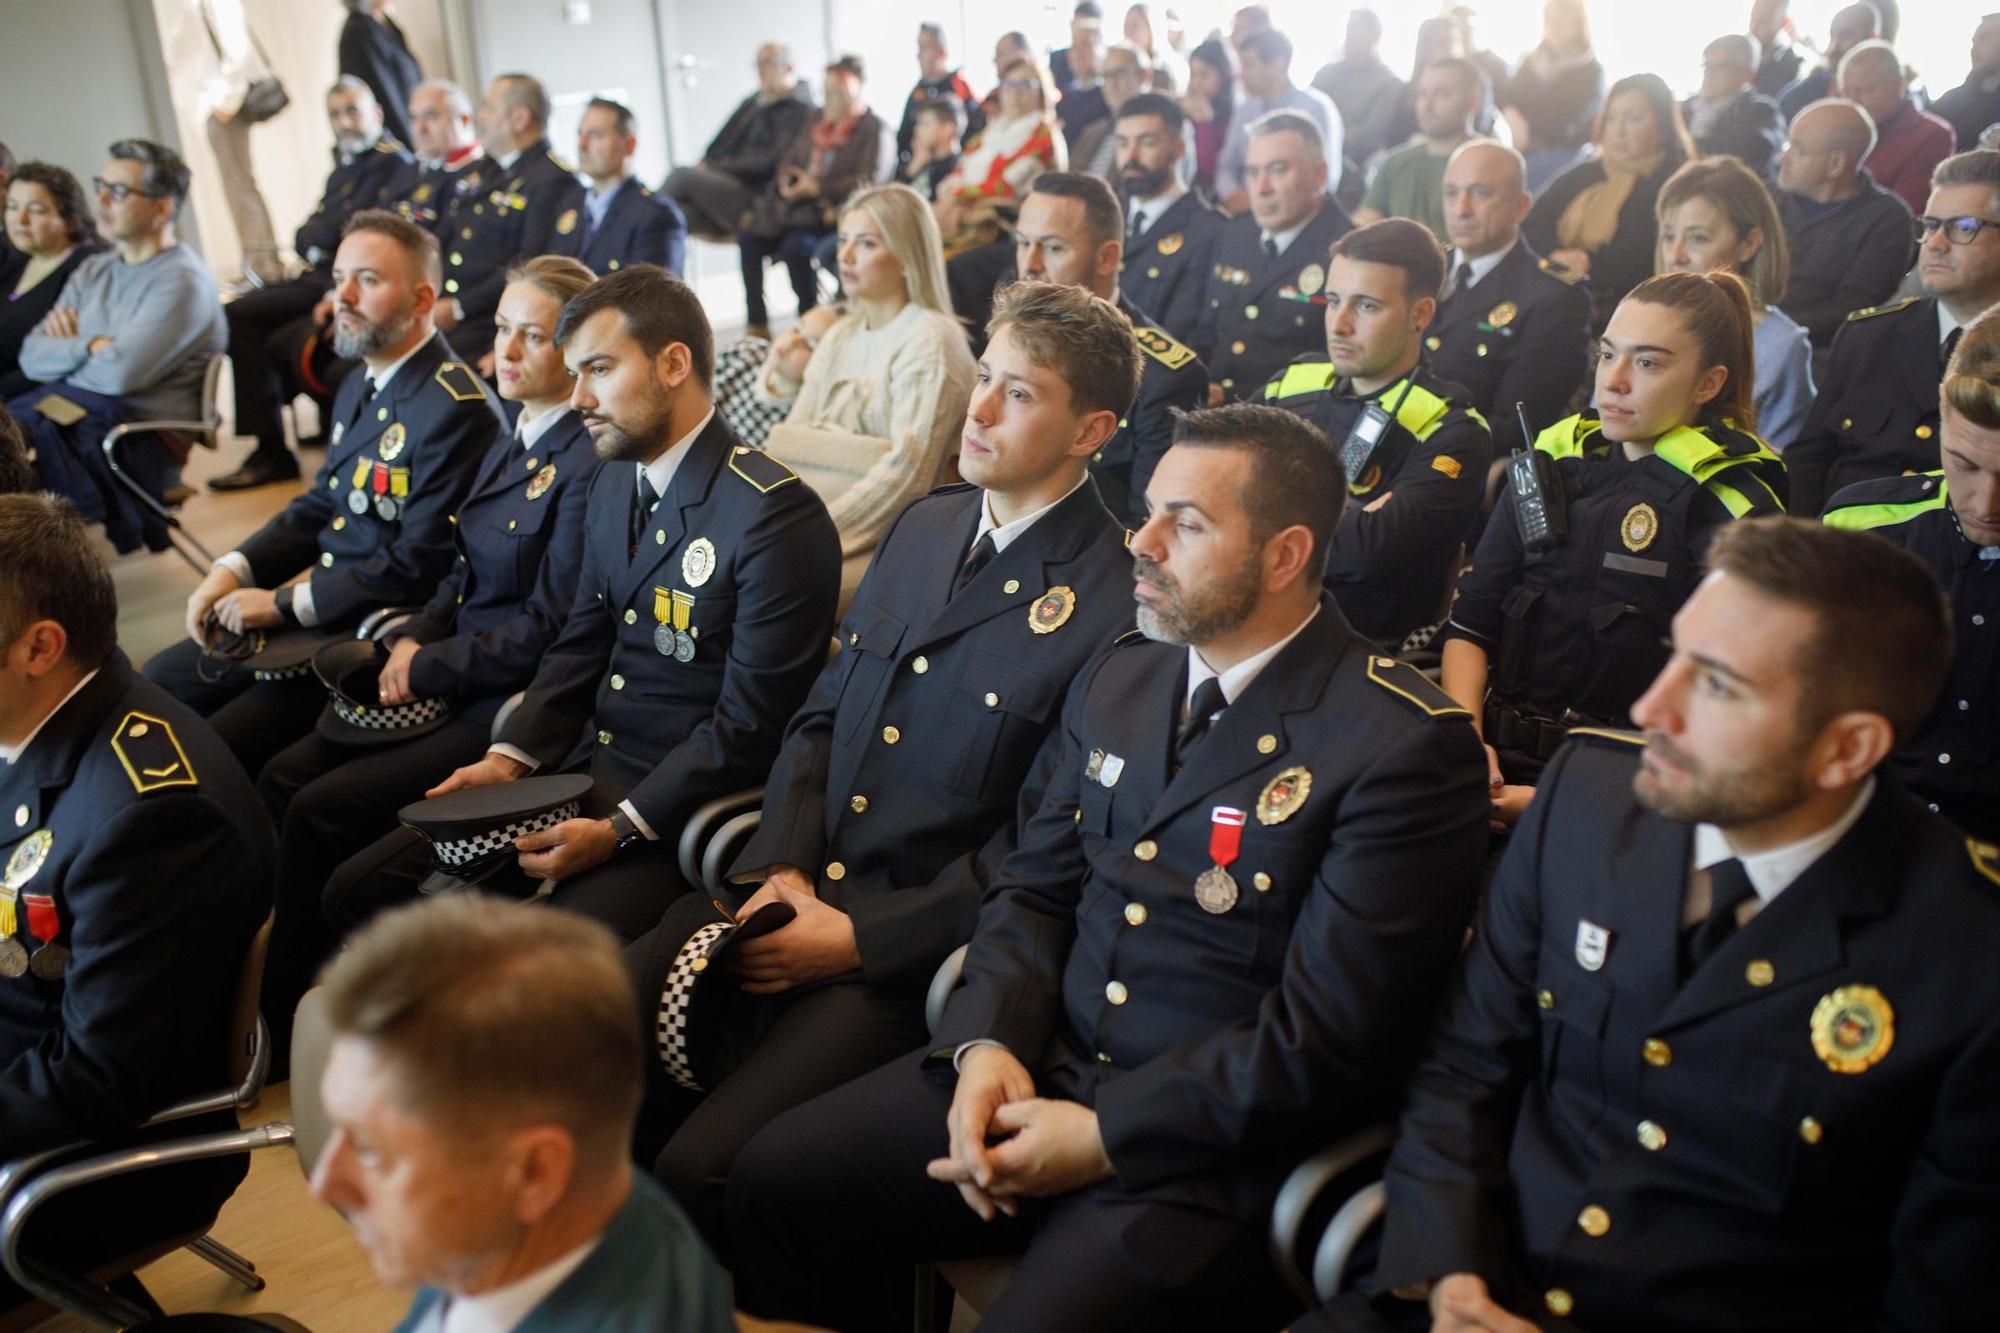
column 211, row 400
column 312, row 1041
column 244, row 1038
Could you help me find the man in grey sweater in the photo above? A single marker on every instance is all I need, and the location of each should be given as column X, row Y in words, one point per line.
column 128, row 339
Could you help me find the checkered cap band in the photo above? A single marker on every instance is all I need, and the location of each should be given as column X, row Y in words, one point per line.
column 676, row 1000
column 388, row 717
column 283, row 673
column 463, row 852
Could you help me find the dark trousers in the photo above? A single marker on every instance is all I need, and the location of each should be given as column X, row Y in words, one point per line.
column 714, row 201
column 829, row 1207
column 256, row 718
column 277, row 353
column 795, row 250
column 327, row 801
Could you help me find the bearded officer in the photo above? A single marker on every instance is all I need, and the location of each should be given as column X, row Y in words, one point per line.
column 1170, row 231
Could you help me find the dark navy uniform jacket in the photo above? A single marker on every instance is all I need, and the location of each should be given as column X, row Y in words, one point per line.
column 429, row 199
column 373, row 178
column 508, row 215
column 1800, row 1136
column 1876, row 413
column 640, row 227
column 1220, row 1049
column 420, row 440
column 158, row 868
column 1166, row 267
column 751, row 545
column 1171, row 378
column 899, row 784
column 519, row 536
column 1521, row 334
column 1953, row 762
column 1261, row 311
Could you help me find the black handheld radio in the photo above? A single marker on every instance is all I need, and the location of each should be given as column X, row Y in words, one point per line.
column 1541, row 512
column 1367, row 432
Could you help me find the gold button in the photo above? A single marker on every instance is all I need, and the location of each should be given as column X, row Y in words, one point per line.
column 1238, row 348
column 1811, row 1130
column 631, row 616
column 1923, row 432
column 698, row 965
column 1103, row 1059
column 1097, row 457
column 920, row 664
column 1651, row 1137
column 1545, row 998
column 333, row 483
column 1593, row 1221
column 451, row 284
column 1135, row 913
column 1115, row 992
column 858, row 804
column 1560, row 1302
column 1249, row 312
column 1012, row 586
column 992, row 699
column 512, row 524
column 326, row 560
column 1266, row 744
column 604, row 738
column 1479, row 350
column 20, row 816
column 891, row 735
column 1152, row 273
column 1261, row 882
column 1760, row 972
column 340, row 523
column 659, row 536
column 465, row 233
column 614, row 266
column 381, row 414
column 835, row 870
column 1847, row 423
column 852, row 638
column 1658, row 1054
column 1433, row 342
column 457, row 259
column 532, row 460
column 618, row 682
column 1146, row 850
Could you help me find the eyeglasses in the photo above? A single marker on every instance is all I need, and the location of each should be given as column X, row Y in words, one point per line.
column 1958, row 231
column 119, row 191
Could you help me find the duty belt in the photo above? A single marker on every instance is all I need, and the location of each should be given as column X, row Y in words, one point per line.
column 1531, row 734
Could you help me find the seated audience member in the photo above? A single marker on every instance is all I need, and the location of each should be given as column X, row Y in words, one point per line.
column 50, row 232
column 1909, row 142
column 738, row 367
column 479, row 639
column 887, row 884
column 370, row 170
column 1209, row 105
column 138, row 867
column 1739, row 917
column 1543, row 641
column 1850, row 238
column 1876, row 414
column 1094, row 149
column 1068, row 233
column 846, row 147
column 1148, row 28
column 1007, row 48
column 692, row 542
column 881, row 406
column 129, row 338
column 1778, row 58
column 1555, row 96
column 1729, row 116
column 1075, row 67
column 1021, row 140
column 1513, row 327
column 448, row 151
column 1409, row 183
column 1415, row 486
column 1266, row 60
column 1465, row 41
column 616, row 220
column 1974, row 106
column 1363, row 88
column 1170, row 231
column 17, row 474
column 935, row 149
column 489, row 1053
column 1265, row 288
column 375, row 528
column 741, row 161
column 1950, row 519
column 513, row 220
column 1160, row 1015
column 1439, row 39
column 1714, row 214
column 1850, row 26
column 937, row 80
column 1597, row 218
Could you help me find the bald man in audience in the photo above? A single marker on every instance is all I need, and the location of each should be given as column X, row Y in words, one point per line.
column 1909, row 143
column 1729, row 116
column 1850, row 238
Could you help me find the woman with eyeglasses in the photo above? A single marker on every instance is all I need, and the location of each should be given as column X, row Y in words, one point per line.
column 50, row 228
column 1019, row 143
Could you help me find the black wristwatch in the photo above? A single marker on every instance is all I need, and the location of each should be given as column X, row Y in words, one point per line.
column 625, row 830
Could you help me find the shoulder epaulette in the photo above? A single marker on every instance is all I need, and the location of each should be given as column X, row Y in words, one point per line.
column 1609, row 738
column 1572, row 437
column 1161, row 348
column 1887, row 502
column 1311, row 373
column 458, row 380
column 558, row 160
column 152, row 754
column 1867, row 312
column 1133, row 635
column 1561, row 271
column 760, row 469
column 952, row 488
column 1407, row 683
column 1985, row 858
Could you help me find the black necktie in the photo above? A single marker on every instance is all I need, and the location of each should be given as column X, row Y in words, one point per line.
column 1208, row 701
column 1138, row 224
column 1950, row 345
column 982, row 555
column 642, row 510
column 1729, row 889
column 1270, row 248
column 361, row 403
column 1463, row 280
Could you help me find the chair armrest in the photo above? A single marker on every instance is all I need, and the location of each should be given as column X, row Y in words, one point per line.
column 383, row 620
column 722, row 849
column 943, row 982
column 1350, row 1222
column 1332, row 1172
column 705, row 821
column 507, row 708
column 124, row 428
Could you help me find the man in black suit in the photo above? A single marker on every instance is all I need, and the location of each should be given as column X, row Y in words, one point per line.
column 1220, row 941
column 375, row 527
column 710, row 574
column 1729, row 116
column 1002, row 589
column 742, row 159
column 137, row 868
column 1170, row 231
column 616, row 220
column 1726, row 1032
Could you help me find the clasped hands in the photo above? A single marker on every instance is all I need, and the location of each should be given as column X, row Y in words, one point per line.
column 237, row 609
column 1039, row 1147
column 816, row 944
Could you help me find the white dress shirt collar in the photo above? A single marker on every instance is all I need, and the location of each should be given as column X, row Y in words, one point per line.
column 1237, row 679
column 1003, row 534
column 661, row 470
column 1283, row 238
column 1157, row 206
column 383, row 377
column 529, row 433
column 1481, row 266
column 504, row 1308
column 10, row 755
column 1946, row 323
column 1774, row 871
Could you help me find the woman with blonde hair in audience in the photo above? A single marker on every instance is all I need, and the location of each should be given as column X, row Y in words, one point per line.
column 1715, row 214
column 1555, row 94
column 875, row 420
column 1020, row 141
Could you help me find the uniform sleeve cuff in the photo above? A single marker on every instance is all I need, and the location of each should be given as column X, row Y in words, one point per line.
column 515, row 753
column 638, row 822
column 238, row 564
column 302, row 605
column 965, row 1046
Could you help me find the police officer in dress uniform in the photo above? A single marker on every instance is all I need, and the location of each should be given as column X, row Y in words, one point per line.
column 374, row 528
column 701, row 617
column 134, row 868
column 1265, row 288
column 1723, row 1052
column 890, row 845
column 616, row 220
column 1170, row 230
column 1413, row 457
column 1513, row 327
column 1950, row 519
column 1221, row 939
column 370, row 170
column 448, row 152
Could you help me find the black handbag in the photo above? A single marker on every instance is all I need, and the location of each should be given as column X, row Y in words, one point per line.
column 265, row 97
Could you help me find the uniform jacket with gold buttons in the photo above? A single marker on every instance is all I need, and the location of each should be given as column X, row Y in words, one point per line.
column 759, row 607
column 917, row 746
column 1166, row 267
column 1876, row 414
column 1220, row 1049
column 445, row 417
column 1594, row 1136
column 1261, row 311
column 640, row 227
column 372, row 178
column 508, row 216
